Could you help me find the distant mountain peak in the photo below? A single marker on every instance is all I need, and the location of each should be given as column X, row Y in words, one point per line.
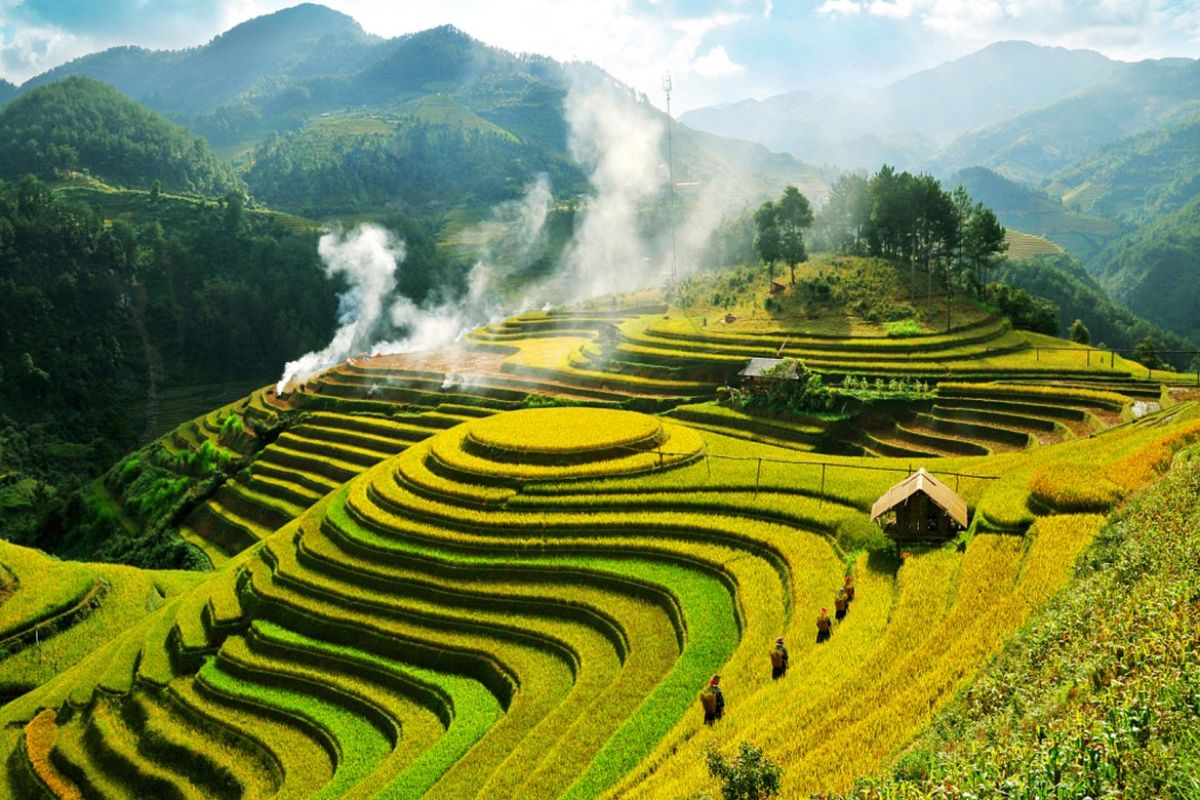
column 307, row 21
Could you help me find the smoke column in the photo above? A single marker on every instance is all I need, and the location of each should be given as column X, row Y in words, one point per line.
column 368, row 258
column 617, row 139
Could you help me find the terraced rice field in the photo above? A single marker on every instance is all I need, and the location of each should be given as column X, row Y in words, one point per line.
column 1027, row 245
column 428, row 583
column 525, row 604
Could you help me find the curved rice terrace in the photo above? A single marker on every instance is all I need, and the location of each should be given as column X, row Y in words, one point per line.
column 426, row 588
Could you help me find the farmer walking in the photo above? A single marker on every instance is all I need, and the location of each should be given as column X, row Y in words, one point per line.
column 841, row 604
column 713, row 701
column 779, row 659
column 824, row 626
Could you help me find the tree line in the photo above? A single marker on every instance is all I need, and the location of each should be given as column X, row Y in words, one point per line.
column 942, row 234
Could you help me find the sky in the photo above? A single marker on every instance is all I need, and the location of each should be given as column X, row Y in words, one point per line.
column 716, row 50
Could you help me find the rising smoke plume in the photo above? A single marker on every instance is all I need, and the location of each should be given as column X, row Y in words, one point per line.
column 618, row 142
column 617, row 138
column 368, row 258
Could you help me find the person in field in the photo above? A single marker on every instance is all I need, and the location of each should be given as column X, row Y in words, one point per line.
column 841, row 604
column 713, row 701
column 848, row 588
column 779, row 659
column 824, row 626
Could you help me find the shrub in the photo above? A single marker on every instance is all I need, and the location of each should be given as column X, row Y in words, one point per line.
column 750, row 775
column 1079, row 333
column 903, row 327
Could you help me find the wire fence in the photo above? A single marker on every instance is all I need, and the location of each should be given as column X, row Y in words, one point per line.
column 824, row 466
column 1097, row 354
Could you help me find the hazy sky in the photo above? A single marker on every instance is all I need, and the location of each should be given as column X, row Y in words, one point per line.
column 717, row 50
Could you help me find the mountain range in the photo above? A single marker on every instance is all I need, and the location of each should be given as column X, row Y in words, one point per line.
column 321, row 118
column 1020, row 109
column 314, row 73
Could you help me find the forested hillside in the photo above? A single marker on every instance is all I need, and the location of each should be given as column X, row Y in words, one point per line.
column 1139, row 179
column 417, row 166
column 324, row 119
column 1156, row 270
column 98, row 320
column 305, row 40
column 1035, row 211
column 1063, row 281
column 80, row 124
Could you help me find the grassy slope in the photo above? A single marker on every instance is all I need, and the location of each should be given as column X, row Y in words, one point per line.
column 122, row 596
column 1098, row 696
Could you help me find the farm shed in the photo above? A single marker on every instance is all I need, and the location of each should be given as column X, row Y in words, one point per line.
column 757, row 369
column 920, row 508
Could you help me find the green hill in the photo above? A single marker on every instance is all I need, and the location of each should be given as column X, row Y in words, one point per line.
column 1064, row 281
column 80, row 124
column 115, row 305
column 1026, row 209
column 325, row 119
column 303, row 41
column 1156, row 270
column 7, row 91
column 1136, row 180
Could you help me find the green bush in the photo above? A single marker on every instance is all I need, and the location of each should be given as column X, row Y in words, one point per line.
column 750, row 775
column 903, row 327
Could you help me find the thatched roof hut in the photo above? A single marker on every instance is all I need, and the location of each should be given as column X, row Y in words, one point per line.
column 921, row 508
column 759, row 369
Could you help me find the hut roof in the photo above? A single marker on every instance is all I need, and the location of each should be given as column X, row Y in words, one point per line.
column 757, row 367
column 922, row 481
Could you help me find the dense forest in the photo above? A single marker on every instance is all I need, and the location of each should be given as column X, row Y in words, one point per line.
column 420, row 167
column 202, row 291
column 1154, row 270
column 80, row 124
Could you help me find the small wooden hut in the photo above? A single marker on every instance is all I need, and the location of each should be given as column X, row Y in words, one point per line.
column 920, row 508
column 758, row 371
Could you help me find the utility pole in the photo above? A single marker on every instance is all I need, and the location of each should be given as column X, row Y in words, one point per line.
column 670, row 170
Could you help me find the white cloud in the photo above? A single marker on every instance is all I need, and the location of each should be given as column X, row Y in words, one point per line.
column 716, row 63
column 892, row 9
column 835, row 7
column 30, row 51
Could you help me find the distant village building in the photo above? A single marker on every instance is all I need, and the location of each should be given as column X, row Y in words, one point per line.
column 920, row 508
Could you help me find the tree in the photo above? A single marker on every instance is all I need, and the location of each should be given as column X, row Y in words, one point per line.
column 768, row 241
column 793, row 215
column 1026, row 310
column 750, row 775
column 847, row 214
column 983, row 240
column 1079, row 333
column 1146, row 354
column 155, row 190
